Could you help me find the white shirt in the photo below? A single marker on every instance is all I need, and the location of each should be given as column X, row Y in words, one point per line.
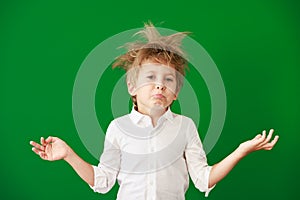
column 152, row 162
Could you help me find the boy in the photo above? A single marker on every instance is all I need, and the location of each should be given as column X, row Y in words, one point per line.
column 152, row 151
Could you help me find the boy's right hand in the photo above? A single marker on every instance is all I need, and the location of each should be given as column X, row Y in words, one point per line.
column 51, row 149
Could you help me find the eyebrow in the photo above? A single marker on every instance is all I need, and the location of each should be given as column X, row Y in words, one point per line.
column 155, row 72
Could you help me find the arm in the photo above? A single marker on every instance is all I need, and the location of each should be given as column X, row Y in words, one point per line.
column 54, row 148
column 221, row 169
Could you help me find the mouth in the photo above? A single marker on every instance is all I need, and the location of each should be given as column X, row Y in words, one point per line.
column 158, row 96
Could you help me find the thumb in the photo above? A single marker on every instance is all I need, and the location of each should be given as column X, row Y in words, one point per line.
column 50, row 139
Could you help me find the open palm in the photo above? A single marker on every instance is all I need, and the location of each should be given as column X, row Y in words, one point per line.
column 261, row 141
column 50, row 149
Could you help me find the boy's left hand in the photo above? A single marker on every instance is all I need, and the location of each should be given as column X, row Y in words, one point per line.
column 261, row 141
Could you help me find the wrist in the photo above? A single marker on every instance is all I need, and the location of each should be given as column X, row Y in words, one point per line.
column 241, row 152
column 69, row 154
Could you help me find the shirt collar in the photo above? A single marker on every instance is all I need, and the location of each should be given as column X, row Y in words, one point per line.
column 137, row 117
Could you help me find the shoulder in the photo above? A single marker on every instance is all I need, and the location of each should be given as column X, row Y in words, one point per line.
column 186, row 124
column 183, row 119
column 121, row 118
column 114, row 125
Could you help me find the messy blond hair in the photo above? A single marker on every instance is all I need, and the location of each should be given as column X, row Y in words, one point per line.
column 154, row 48
column 162, row 49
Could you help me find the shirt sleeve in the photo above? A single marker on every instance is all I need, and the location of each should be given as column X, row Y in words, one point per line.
column 106, row 172
column 196, row 160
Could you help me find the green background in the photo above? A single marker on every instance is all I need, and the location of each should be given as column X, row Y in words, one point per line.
column 255, row 45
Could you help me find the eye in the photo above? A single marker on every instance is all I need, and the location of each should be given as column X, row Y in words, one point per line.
column 150, row 77
column 169, row 79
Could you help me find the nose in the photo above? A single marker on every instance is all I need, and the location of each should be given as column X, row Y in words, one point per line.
column 160, row 87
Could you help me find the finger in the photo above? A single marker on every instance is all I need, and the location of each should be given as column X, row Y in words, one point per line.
column 274, row 141
column 35, row 150
column 270, row 145
column 43, row 141
column 268, row 148
column 262, row 137
column 269, row 136
column 264, row 134
column 42, row 154
column 37, row 146
column 257, row 137
column 50, row 139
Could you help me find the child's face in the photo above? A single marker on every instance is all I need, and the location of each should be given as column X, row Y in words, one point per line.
column 155, row 87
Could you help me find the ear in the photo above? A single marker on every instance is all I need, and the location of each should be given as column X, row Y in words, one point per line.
column 131, row 88
column 175, row 96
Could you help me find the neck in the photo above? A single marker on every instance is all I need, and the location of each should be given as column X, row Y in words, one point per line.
column 154, row 113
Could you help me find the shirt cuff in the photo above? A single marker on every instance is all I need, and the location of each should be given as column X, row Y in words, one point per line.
column 209, row 189
column 100, row 180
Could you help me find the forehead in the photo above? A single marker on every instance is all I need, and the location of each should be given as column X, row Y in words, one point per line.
column 157, row 68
